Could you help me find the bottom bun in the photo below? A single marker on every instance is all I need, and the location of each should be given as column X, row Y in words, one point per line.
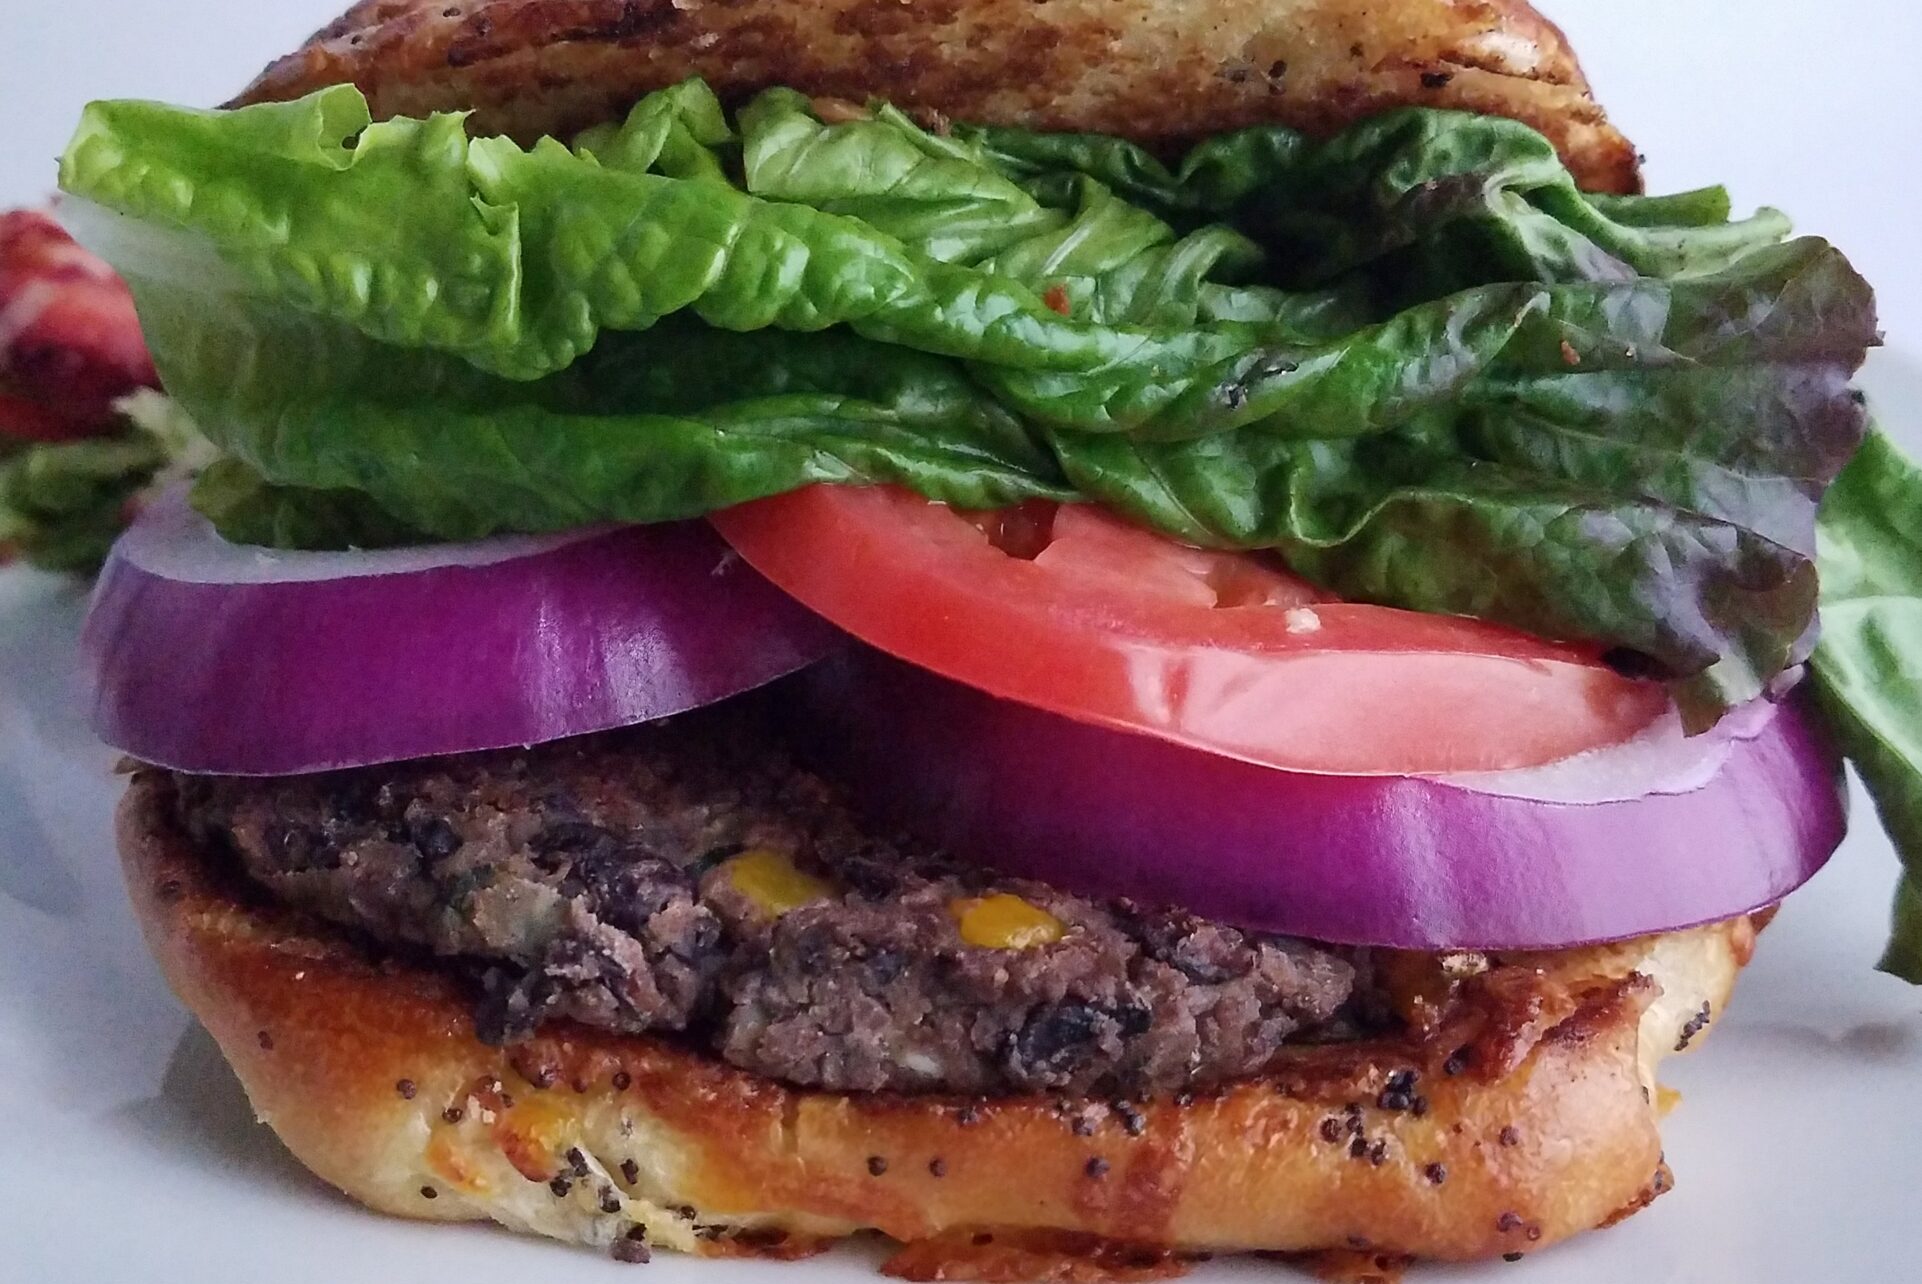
column 1519, row 1112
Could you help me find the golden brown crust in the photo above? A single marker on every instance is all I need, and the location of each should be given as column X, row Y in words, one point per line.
column 1160, row 71
column 1534, row 1120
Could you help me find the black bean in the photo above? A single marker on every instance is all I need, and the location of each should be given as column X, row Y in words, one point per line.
column 433, row 837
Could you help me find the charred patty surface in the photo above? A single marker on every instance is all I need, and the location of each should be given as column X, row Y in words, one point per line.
column 688, row 876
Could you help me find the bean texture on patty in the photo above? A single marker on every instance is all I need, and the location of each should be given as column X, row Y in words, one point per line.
column 688, row 876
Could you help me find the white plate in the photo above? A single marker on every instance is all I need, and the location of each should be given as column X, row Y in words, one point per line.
column 128, row 1153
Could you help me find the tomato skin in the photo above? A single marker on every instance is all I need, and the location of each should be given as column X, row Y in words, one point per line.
column 1110, row 624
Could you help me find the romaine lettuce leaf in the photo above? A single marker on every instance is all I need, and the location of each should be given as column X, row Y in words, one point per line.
column 1415, row 358
column 1433, row 201
column 1868, row 668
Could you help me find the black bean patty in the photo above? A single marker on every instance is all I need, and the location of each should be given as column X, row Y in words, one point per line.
column 688, row 876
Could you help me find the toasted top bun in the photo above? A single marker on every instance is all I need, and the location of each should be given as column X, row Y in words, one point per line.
column 1519, row 1114
column 1160, row 71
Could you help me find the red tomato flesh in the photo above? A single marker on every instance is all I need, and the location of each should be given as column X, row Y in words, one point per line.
column 1074, row 611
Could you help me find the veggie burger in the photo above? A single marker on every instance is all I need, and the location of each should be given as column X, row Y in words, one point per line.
column 1081, row 634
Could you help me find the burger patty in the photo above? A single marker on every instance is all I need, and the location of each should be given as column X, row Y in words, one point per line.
column 688, row 876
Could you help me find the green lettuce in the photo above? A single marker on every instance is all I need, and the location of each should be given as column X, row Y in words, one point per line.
column 62, row 504
column 1439, row 203
column 1415, row 359
column 1868, row 668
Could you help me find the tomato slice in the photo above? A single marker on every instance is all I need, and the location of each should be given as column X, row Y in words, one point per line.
column 1073, row 611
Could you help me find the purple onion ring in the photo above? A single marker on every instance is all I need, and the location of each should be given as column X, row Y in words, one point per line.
column 1394, row 861
column 205, row 657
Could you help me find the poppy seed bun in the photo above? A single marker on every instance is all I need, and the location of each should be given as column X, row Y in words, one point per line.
column 1524, row 1116
column 1162, row 72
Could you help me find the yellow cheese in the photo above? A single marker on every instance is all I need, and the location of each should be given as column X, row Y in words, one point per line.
column 1004, row 922
column 771, row 881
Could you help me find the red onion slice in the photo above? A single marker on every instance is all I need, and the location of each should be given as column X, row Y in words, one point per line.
column 1401, row 862
column 207, row 657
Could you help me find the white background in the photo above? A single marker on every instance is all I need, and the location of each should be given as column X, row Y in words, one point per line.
column 127, row 1153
